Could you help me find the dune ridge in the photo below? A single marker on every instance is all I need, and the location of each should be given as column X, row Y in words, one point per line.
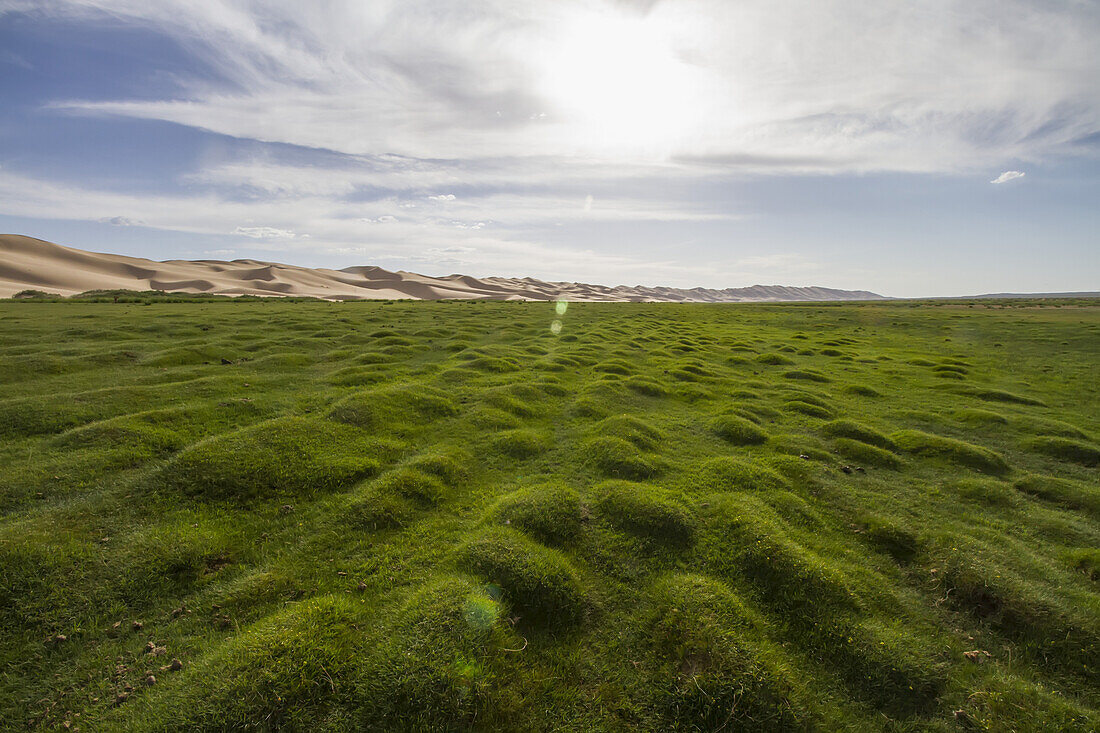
column 29, row 263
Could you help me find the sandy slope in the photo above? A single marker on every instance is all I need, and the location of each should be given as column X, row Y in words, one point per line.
column 27, row 263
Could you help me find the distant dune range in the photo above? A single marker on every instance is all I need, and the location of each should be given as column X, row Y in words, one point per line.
column 28, row 263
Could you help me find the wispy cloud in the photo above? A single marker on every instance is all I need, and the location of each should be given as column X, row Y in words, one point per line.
column 1008, row 176
column 264, row 232
column 926, row 87
column 119, row 221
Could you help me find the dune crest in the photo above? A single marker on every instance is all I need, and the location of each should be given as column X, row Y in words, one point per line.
column 28, row 263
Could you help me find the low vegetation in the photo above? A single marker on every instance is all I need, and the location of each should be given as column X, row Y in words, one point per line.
column 228, row 514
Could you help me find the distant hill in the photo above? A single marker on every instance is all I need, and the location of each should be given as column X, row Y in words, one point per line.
column 33, row 264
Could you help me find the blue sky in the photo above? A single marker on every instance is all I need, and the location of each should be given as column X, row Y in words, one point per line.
column 677, row 142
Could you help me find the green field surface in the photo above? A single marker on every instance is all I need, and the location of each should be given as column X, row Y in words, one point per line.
column 448, row 515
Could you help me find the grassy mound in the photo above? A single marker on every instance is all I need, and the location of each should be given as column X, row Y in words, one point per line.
column 412, row 484
column 857, row 431
column 637, row 431
column 1063, row 492
column 618, row 458
column 551, row 513
column 393, row 407
column 738, row 431
column 647, row 512
column 289, row 456
column 956, row 451
column 521, row 443
column 537, row 581
column 1066, row 449
column 730, row 474
column 713, row 672
column 860, row 452
column 271, row 672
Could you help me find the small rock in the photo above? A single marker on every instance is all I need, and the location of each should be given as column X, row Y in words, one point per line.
column 859, row 469
column 226, row 361
column 174, row 666
column 341, row 573
column 121, row 698
column 846, row 469
column 977, row 655
column 60, row 638
column 160, row 651
column 149, row 647
column 137, row 626
column 286, row 508
column 150, row 681
column 803, row 456
column 362, row 586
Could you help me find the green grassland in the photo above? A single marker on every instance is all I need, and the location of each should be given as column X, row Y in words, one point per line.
column 438, row 516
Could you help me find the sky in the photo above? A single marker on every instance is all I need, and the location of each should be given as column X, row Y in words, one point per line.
column 943, row 147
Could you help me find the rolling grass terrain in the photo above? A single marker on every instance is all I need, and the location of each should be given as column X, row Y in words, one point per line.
column 444, row 515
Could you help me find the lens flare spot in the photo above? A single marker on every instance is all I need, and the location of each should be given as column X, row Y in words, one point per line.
column 561, row 306
column 555, row 327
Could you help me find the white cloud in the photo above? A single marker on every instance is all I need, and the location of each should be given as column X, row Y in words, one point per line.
column 442, row 197
column 119, row 221
column 846, row 85
column 264, row 232
column 1008, row 176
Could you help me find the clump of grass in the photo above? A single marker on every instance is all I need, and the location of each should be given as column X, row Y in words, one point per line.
column 987, row 491
column 412, row 484
column 358, row 376
column 713, row 673
column 537, row 581
column 806, row 375
column 997, row 395
column 647, row 512
column 861, row 390
column 551, row 513
column 521, row 443
column 738, row 430
column 1045, row 427
column 774, row 359
column 857, row 431
column 618, row 458
column 377, row 510
column 731, row 474
column 1065, row 449
column 975, row 416
column 452, row 467
column 646, row 386
column 956, row 451
column 269, row 672
column 393, row 407
column 1063, row 492
column 634, row 429
column 870, row 455
column 747, row 543
column 807, row 408
column 289, row 456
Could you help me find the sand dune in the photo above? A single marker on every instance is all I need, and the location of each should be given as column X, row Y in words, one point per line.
column 27, row 263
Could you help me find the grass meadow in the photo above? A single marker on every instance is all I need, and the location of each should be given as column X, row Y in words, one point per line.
column 449, row 515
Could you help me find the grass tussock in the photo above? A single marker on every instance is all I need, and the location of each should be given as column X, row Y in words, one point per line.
column 288, row 456
column 956, row 451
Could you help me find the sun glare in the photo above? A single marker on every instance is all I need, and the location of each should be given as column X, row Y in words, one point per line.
column 615, row 80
